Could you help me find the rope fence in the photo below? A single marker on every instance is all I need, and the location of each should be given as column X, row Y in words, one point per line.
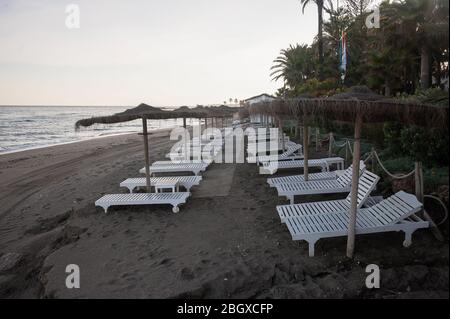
column 373, row 155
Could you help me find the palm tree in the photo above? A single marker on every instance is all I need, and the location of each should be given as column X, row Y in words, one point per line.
column 423, row 26
column 294, row 65
column 357, row 7
column 320, row 6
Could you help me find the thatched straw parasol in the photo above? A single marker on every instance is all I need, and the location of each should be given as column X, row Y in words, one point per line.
column 144, row 112
column 358, row 105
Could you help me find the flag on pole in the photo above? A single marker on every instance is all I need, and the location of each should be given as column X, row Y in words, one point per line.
column 343, row 55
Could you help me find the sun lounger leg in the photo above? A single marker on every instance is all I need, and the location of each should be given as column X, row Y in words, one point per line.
column 291, row 199
column 408, row 238
column 175, row 209
column 311, row 244
column 105, row 208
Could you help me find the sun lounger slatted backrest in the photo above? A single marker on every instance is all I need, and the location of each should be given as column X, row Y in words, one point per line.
column 346, row 178
column 393, row 209
column 366, row 184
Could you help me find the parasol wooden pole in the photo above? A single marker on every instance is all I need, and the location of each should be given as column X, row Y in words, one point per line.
column 280, row 130
column 185, row 142
column 305, row 150
column 354, row 190
column 147, row 160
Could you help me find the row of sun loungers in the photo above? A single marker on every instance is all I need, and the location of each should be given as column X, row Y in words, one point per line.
column 316, row 220
column 312, row 221
column 174, row 198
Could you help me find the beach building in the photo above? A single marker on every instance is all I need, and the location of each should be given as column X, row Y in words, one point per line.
column 258, row 99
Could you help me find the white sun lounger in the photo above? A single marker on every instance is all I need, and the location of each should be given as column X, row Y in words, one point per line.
column 254, row 150
column 322, row 163
column 396, row 213
column 184, row 181
column 267, row 138
column 340, row 185
column 272, row 167
column 207, row 153
column 195, row 168
column 174, row 199
column 288, row 154
column 196, row 146
column 180, row 162
column 313, row 176
column 367, row 183
column 203, row 157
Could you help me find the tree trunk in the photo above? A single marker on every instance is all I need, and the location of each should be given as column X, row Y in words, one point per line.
column 146, row 156
column 424, row 68
column 354, row 188
column 320, row 36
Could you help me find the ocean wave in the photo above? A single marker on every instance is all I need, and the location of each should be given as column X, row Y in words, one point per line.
column 26, row 127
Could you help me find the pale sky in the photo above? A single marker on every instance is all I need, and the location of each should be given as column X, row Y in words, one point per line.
column 164, row 53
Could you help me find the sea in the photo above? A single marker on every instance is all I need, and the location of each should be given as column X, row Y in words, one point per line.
column 28, row 127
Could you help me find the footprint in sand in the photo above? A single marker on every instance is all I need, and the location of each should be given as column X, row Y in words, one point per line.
column 166, row 261
column 187, row 274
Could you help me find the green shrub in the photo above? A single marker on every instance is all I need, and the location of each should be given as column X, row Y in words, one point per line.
column 317, row 88
column 427, row 145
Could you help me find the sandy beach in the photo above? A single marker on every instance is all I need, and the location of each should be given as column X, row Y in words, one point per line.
column 226, row 242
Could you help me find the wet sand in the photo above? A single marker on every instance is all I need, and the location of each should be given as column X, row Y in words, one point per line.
column 227, row 240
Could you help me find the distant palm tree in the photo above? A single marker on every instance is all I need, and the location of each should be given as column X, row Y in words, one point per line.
column 320, row 5
column 293, row 65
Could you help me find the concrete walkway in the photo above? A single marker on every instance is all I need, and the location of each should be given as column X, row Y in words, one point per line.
column 216, row 181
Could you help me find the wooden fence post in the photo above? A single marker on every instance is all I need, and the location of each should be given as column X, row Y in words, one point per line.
column 330, row 145
column 419, row 189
